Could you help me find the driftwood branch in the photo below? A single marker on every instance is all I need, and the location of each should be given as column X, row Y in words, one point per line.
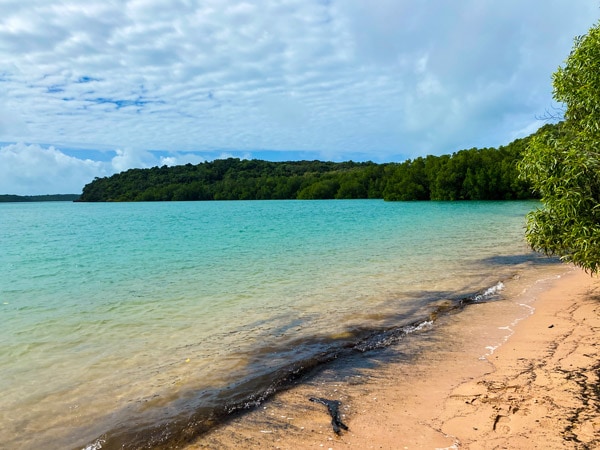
column 333, row 406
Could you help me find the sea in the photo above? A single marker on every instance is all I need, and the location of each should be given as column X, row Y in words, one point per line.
column 130, row 325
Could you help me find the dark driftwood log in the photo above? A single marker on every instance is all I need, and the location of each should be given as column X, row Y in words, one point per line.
column 333, row 406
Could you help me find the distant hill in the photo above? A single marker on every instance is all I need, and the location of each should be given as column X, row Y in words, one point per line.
column 39, row 198
column 470, row 174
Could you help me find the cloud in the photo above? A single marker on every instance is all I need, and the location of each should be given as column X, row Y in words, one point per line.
column 32, row 170
column 178, row 159
column 337, row 78
column 128, row 158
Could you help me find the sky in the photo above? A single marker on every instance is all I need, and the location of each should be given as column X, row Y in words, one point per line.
column 95, row 87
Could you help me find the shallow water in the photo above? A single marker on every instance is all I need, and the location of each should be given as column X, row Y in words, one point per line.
column 127, row 322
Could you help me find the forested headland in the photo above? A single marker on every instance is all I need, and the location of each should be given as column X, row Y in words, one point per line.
column 9, row 198
column 473, row 174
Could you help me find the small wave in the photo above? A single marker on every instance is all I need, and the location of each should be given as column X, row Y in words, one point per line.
column 413, row 328
column 386, row 338
column 489, row 292
column 96, row 445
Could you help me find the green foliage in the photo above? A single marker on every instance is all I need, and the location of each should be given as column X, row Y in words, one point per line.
column 39, row 198
column 487, row 174
column 562, row 163
column 475, row 174
column 234, row 179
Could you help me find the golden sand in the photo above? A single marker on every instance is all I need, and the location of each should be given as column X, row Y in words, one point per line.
column 517, row 374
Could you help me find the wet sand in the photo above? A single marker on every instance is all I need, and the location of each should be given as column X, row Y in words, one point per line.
column 522, row 373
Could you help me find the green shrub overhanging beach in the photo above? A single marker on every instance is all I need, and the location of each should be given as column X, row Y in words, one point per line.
column 563, row 163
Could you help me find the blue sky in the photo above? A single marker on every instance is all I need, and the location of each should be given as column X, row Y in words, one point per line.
column 90, row 88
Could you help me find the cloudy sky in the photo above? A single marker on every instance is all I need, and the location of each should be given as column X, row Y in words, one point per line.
column 90, row 88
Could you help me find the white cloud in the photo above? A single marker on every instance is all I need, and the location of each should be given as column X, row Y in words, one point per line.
column 128, row 158
column 32, row 170
column 337, row 77
column 178, row 159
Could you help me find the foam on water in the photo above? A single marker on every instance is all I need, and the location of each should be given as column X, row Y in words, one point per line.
column 490, row 292
column 126, row 317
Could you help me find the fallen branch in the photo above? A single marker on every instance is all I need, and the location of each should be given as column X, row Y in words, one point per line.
column 333, row 406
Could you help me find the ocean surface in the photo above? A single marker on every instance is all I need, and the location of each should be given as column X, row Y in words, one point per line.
column 134, row 324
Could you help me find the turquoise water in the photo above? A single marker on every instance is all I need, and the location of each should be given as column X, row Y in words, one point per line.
column 140, row 316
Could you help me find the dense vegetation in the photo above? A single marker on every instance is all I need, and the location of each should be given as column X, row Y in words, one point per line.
column 475, row 174
column 563, row 163
column 39, row 198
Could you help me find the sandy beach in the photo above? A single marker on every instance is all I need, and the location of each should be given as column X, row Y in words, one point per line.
column 522, row 373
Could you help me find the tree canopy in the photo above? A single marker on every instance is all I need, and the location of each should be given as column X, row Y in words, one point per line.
column 5, row 198
column 562, row 163
column 473, row 174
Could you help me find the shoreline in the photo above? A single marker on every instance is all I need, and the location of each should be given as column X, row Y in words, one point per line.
column 518, row 373
column 544, row 390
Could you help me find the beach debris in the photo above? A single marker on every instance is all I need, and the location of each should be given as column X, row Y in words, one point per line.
column 333, row 406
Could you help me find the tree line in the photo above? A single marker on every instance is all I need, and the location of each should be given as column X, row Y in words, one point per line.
column 7, row 198
column 473, row 174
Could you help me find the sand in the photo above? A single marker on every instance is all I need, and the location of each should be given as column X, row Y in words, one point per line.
column 522, row 373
